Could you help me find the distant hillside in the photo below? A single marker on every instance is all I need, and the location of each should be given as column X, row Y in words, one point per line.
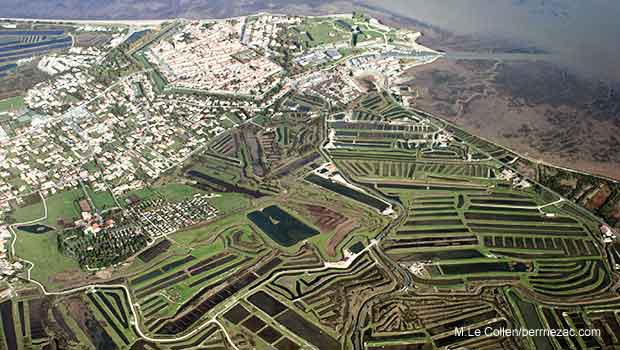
column 155, row 9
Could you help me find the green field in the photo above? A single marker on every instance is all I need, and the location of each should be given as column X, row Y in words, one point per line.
column 230, row 202
column 204, row 234
column 12, row 103
column 177, row 192
column 28, row 213
column 172, row 192
column 102, row 199
column 209, row 249
column 321, row 32
column 42, row 251
column 61, row 205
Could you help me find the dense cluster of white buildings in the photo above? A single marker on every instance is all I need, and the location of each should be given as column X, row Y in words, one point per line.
column 91, row 142
column 8, row 268
column 78, row 57
column 55, row 96
column 210, row 56
column 159, row 217
column 262, row 31
column 336, row 85
column 319, row 57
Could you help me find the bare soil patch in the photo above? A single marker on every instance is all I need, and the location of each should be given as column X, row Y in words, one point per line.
column 341, row 233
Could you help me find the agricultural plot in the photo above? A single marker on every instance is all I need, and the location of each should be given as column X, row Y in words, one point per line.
column 432, row 323
column 380, row 151
column 465, row 224
column 379, row 106
column 468, row 237
column 597, row 195
column 348, row 192
column 264, row 152
column 200, row 281
column 327, row 295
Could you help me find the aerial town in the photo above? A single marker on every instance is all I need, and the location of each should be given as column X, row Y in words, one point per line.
column 267, row 182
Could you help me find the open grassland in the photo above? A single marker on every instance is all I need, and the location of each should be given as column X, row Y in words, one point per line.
column 42, row 248
column 102, row 200
column 42, row 251
column 60, row 206
column 230, row 202
column 317, row 32
column 63, row 206
column 171, row 191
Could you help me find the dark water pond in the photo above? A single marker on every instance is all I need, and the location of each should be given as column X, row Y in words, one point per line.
column 280, row 226
column 99, row 336
column 220, row 185
column 347, row 192
column 467, row 268
column 36, row 228
column 31, row 32
column 8, row 328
